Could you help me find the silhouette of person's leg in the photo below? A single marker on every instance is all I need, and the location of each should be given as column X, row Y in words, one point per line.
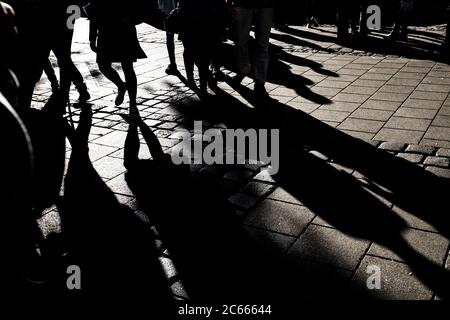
column 189, row 62
column 131, row 82
column 50, row 73
column 112, row 75
column 203, row 70
column 242, row 20
column 263, row 25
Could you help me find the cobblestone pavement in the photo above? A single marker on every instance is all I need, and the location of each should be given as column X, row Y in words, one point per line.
column 397, row 103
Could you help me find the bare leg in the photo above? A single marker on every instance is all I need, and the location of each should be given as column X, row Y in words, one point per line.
column 131, row 82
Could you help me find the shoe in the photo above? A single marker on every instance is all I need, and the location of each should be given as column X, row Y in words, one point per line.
column 172, row 69
column 84, row 93
column 237, row 79
column 55, row 87
column 191, row 84
column 261, row 92
column 120, row 96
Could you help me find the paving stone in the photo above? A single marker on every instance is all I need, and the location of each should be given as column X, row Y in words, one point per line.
column 398, row 135
column 330, row 246
column 360, row 90
column 443, row 153
column 333, row 84
column 351, row 97
column 281, row 194
column 370, row 114
column 397, row 281
column 50, row 223
column 264, row 176
column 408, row 123
column 258, row 189
column 403, row 82
column 422, row 104
column 281, row 217
column 437, row 162
column 416, row 113
column 119, row 185
column 370, row 126
column 319, row 155
column 389, row 96
column 441, row 121
column 438, row 133
column 381, row 105
column 113, row 139
column 97, row 151
column 412, row 220
column 440, row 172
column 341, row 106
column 397, row 89
column 369, row 83
column 239, row 175
column 328, row 115
column 425, row 95
column 428, row 244
column 270, row 243
column 411, row 157
column 434, row 88
column 392, row 146
column 243, row 201
column 426, row 150
column 109, row 167
column 447, row 264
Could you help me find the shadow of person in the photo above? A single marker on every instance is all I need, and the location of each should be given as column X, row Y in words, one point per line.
column 341, row 200
column 47, row 132
column 214, row 259
column 415, row 48
column 113, row 246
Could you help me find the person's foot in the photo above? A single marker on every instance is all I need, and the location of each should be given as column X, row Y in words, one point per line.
column 55, row 87
column 261, row 92
column 203, row 94
column 237, row 79
column 172, row 69
column 120, row 95
column 191, row 84
column 84, row 94
column 313, row 22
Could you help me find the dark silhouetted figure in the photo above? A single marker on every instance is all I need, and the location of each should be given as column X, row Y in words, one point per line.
column 51, row 76
column 113, row 37
column 200, row 35
column 403, row 14
column 166, row 6
column 348, row 14
column 260, row 14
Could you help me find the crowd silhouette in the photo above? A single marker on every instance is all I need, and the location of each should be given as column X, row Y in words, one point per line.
column 218, row 261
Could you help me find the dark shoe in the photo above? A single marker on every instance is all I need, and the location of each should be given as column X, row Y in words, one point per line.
column 120, row 96
column 191, row 84
column 55, row 87
column 172, row 70
column 261, row 92
column 84, row 93
column 237, row 79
